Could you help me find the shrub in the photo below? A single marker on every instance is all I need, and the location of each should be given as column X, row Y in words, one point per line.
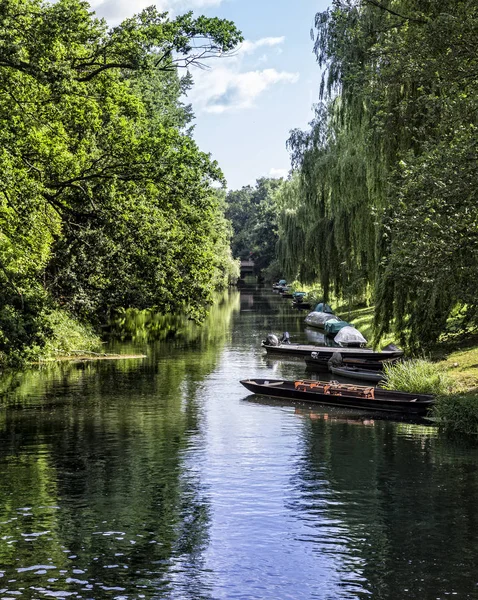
column 457, row 414
column 39, row 331
column 68, row 335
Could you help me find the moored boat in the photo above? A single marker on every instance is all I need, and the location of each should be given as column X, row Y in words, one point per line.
column 300, row 304
column 320, row 362
column 318, row 319
column 322, row 307
column 349, row 337
column 286, row 292
column 333, row 326
column 307, row 349
column 359, row 374
column 342, row 395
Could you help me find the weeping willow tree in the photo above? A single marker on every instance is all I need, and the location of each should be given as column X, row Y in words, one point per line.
column 384, row 194
column 328, row 221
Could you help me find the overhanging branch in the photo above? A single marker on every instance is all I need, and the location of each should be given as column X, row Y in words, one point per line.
column 393, row 12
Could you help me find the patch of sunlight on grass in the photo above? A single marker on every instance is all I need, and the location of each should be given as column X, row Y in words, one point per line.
column 462, row 367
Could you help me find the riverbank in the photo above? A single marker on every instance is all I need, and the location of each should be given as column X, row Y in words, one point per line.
column 84, row 357
column 456, row 411
column 454, row 360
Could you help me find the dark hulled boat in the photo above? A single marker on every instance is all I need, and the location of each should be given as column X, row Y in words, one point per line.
column 360, row 374
column 300, row 305
column 343, row 395
column 306, row 350
column 319, row 362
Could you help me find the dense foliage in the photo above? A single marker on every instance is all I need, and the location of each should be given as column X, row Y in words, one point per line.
column 457, row 414
column 253, row 212
column 385, row 193
column 105, row 199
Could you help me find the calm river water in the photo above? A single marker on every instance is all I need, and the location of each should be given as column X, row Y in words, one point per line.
column 162, row 478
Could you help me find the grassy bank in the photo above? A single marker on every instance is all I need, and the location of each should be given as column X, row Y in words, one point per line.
column 56, row 334
column 450, row 372
column 457, row 411
column 68, row 336
column 71, row 340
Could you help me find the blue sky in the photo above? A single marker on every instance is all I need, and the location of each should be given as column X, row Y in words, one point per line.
column 246, row 105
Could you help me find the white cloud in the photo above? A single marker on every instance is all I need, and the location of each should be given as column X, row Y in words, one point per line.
column 226, row 86
column 248, row 47
column 224, row 89
column 278, row 173
column 221, row 88
column 114, row 11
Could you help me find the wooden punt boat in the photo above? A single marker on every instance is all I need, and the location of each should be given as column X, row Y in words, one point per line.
column 327, row 351
column 343, row 395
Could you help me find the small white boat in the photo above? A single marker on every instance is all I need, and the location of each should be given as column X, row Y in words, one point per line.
column 349, row 337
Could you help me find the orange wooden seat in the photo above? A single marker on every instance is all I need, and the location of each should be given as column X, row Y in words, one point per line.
column 334, row 388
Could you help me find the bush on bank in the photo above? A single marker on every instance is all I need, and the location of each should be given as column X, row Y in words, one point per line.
column 40, row 332
column 68, row 335
column 457, row 414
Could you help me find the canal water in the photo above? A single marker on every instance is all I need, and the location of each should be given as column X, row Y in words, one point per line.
column 162, row 478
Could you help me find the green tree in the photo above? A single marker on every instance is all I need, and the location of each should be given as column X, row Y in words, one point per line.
column 106, row 200
column 253, row 214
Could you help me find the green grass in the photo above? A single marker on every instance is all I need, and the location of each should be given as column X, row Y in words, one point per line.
column 417, row 376
column 462, row 367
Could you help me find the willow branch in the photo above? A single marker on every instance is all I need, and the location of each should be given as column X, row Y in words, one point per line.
column 393, row 12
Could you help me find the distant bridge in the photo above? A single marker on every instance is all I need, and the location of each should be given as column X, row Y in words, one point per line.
column 247, row 268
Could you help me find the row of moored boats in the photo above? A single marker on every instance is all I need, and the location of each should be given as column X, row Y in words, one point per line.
column 349, row 358
column 323, row 317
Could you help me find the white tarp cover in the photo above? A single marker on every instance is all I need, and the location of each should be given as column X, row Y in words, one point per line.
column 349, row 335
column 318, row 319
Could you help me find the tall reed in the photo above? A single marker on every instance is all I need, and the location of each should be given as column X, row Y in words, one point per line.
column 417, row 376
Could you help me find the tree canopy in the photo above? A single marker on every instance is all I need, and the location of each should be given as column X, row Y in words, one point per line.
column 253, row 213
column 105, row 199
